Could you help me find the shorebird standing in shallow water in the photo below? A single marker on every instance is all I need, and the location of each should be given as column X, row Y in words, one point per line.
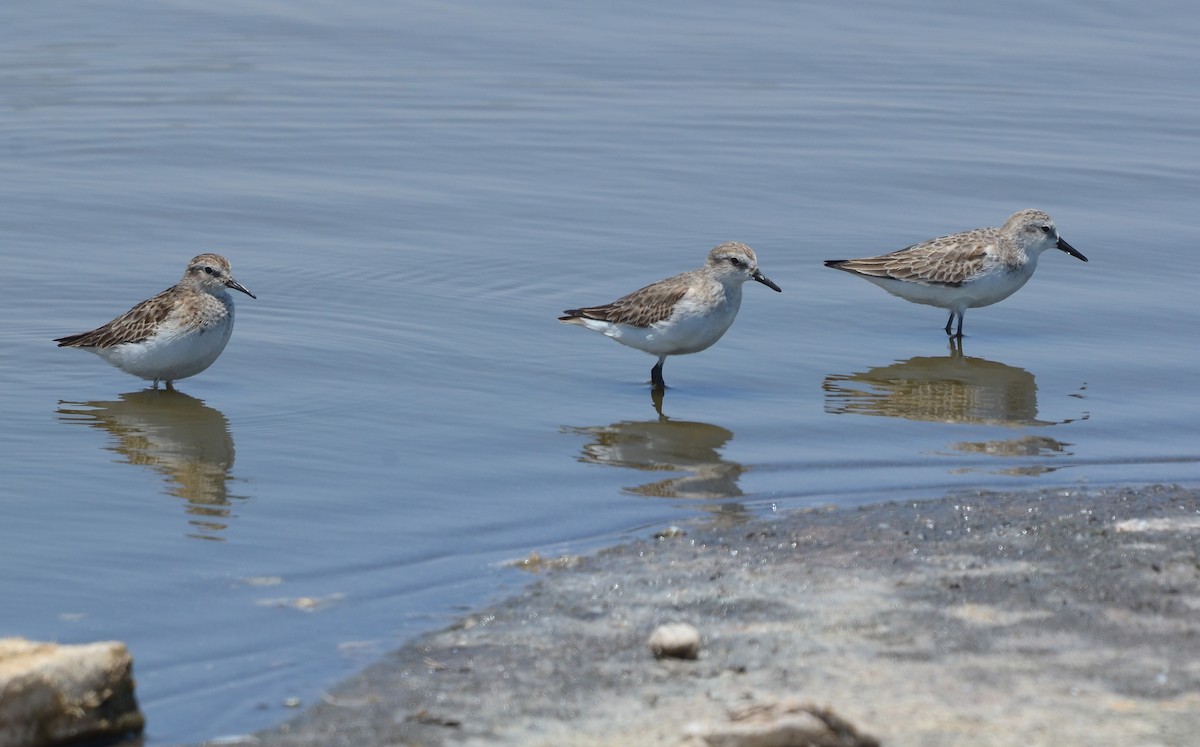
column 174, row 335
column 964, row 270
column 682, row 314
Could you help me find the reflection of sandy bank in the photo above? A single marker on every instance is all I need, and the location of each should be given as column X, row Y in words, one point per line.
column 665, row 445
column 178, row 436
column 948, row 389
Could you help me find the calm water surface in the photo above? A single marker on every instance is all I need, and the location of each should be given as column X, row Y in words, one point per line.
column 415, row 190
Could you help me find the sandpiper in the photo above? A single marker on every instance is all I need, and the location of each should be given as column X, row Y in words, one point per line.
column 964, row 270
column 682, row 314
column 174, row 335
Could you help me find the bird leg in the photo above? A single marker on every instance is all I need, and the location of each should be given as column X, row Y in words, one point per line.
column 656, row 377
column 950, row 322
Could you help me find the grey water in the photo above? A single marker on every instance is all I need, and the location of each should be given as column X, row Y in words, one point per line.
column 415, row 190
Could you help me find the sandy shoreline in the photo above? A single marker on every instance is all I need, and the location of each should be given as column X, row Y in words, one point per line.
column 1060, row 617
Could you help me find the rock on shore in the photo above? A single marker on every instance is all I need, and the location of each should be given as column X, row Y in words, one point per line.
column 52, row 694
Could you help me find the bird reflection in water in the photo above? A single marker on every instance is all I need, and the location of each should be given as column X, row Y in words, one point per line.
column 674, row 446
column 952, row 389
column 176, row 435
column 1026, row 446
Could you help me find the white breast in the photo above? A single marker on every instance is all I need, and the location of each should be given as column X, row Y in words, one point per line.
column 174, row 351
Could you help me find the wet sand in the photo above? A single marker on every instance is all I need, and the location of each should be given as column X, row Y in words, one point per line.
column 1065, row 617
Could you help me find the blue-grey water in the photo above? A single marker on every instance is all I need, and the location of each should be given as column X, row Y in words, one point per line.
column 414, row 190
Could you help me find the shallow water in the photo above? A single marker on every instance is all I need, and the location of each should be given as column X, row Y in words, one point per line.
column 414, row 191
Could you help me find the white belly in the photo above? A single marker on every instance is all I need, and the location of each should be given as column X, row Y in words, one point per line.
column 171, row 355
column 984, row 291
column 689, row 329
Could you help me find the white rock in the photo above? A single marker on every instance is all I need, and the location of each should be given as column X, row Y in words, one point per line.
column 675, row 641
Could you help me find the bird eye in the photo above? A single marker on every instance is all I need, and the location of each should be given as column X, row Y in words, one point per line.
column 1045, row 229
column 735, row 261
column 210, row 270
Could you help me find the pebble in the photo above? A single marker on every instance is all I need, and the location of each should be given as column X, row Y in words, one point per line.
column 675, row 641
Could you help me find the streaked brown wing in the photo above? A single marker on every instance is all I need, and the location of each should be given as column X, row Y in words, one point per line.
column 641, row 308
column 945, row 261
column 134, row 325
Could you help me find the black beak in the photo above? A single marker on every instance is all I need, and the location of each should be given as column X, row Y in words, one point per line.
column 1070, row 250
column 767, row 281
column 231, row 283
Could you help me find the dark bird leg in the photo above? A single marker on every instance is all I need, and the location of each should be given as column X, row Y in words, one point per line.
column 656, row 377
column 950, row 322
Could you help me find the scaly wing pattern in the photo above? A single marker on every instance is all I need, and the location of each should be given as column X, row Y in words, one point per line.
column 134, row 325
column 949, row 260
column 643, row 307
